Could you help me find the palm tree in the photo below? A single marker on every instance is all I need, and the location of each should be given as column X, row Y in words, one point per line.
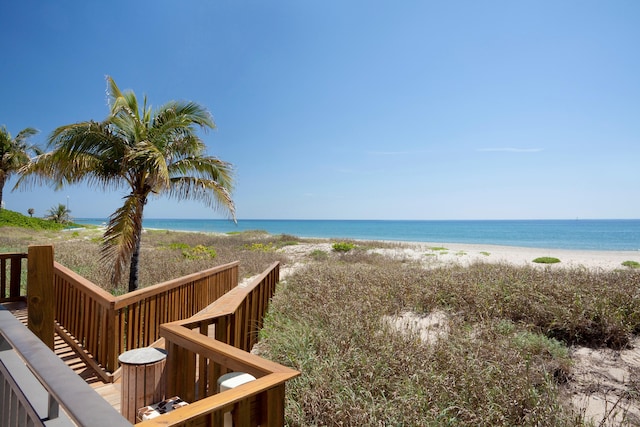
column 14, row 153
column 147, row 152
column 31, row 211
column 59, row 214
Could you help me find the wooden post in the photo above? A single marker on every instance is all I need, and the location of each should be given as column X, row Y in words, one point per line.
column 40, row 294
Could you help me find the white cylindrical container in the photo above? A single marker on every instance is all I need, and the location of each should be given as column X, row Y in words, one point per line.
column 229, row 381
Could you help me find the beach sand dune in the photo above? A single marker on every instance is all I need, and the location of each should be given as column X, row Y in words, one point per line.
column 602, row 380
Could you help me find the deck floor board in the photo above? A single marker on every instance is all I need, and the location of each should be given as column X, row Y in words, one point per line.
column 108, row 391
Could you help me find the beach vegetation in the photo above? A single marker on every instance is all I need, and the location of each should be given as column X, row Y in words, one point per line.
column 179, row 245
column 144, row 151
column 504, row 359
column 318, row 255
column 59, row 214
column 15, row 152
column 485, row 253
column 163, row 251
column 9, row 218
column 631, row 264
column 263, row 247
column 546, row 260
column 343, row 246
column 197, row 252
column 438, row 248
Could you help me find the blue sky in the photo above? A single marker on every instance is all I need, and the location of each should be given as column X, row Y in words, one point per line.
column 341, row 109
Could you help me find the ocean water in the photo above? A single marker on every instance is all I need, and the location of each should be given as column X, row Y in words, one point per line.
column 607, row 235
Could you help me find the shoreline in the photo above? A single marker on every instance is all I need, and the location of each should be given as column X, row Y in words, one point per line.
column 596, row 235
column 468, row 253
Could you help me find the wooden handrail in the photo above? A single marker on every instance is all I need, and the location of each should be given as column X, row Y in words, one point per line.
column 12, row 292
column 102, row 326
column 140, row 294
column 195, row 361
column 92, row 290
column 231, row 357
column 220, row 403
column 78, row 400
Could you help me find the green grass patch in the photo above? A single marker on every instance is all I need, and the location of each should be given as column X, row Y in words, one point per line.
column 14, row 219
column 631, row 264
column 261, row 247
column 546, row 260
column 343, row 246
column 318, row 255
column 485, row 253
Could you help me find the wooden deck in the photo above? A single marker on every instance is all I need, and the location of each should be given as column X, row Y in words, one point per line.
column 109, row 391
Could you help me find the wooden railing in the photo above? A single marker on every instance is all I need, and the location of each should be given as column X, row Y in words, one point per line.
column 103, row 326
column 37, row 388
column 10, row 276
column 195, row 361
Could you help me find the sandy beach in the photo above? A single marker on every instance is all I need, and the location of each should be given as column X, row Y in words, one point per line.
column 466, row 254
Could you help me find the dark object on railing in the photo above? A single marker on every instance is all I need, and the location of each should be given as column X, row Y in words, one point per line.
column 47, row 384
column 14, row 262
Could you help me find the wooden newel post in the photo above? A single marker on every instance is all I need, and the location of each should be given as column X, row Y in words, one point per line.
column 40, row 294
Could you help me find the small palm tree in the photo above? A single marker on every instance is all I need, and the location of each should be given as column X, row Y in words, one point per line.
column 148, row 153
column 14, row 153
column 59, row 214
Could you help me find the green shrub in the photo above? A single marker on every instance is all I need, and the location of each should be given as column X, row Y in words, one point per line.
column 15, row 219
column 343, row 246
column 200, row 252
column 546, row 260
column 261, row 247
column 181, row 246
column 631, row 264
column 319, row 255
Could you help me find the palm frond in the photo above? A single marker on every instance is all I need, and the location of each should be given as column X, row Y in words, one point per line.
column 184, row 114
column 122, row 234
column 209, row 192
column 208, row 167
column 205, row 179
column 25, row 134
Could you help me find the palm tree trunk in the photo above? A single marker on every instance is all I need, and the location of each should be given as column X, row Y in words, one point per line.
column 2, row 179
column 134, row 266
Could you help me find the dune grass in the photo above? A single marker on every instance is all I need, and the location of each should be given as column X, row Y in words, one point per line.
column 164, row 254
column 503, row 361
